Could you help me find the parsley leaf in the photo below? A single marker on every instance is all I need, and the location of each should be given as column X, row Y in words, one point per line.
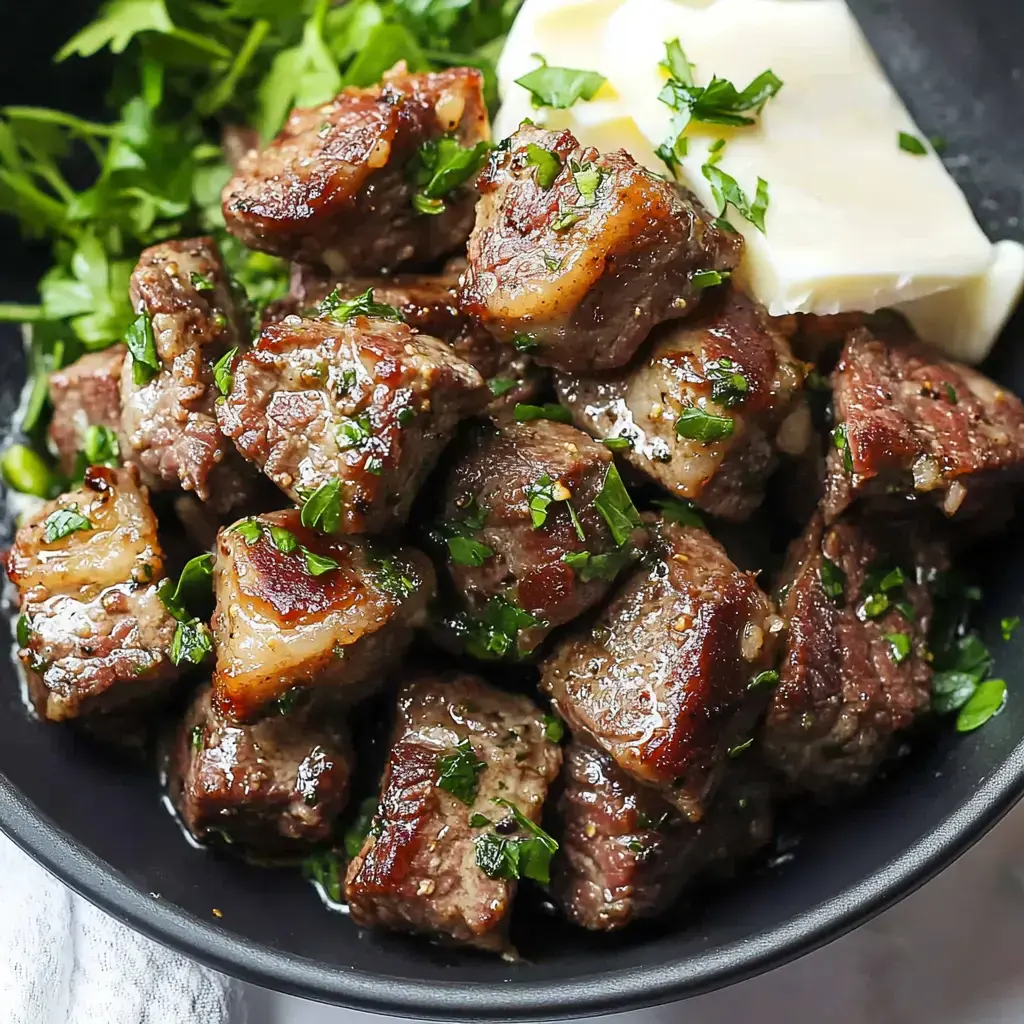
column 64, row 521
column 681, row 511
column 589, row 566
column 527, row 855
column 321, row 510
column 343, row 310
column 726, row 191
column 316, row 564
column 702, row 279
column 616, row 506
column 833, row 579
column 548, row 164
column 441, row 166
column 841, row 443
column 494, row 633
column 194, row 590
column 912, row 144
column 697, row 425
column 547, row 411
column 554, row 729
column 222, row 375
column 986, row 701
column 899, row 646
column 361, row 827
column 393, row 577
column 728, row 386
column 587, row 178
column 142, row 346
column 501, row 385
column 326, row 871
column 560, row 87
column 459, row 772
column 1008, row 627
column 540, row 495
column 100, row 447
column 192, row 642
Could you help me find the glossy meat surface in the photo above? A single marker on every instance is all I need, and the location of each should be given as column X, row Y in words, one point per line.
column 662, row 680
column 510, row 490
column 417, row 870
column 272, row 786
column 96, row 636
column 168, row 420
column 85, row 394
column 627, row 854
column 283, row 620
column 727, row 361
column 916, row 426
column 367, row 402
column 579, row 272
column 845, row 690
column 336, row 185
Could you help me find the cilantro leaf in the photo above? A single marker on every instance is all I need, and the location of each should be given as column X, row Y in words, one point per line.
column 679, row 510
column 467, row 551
column 912, row 144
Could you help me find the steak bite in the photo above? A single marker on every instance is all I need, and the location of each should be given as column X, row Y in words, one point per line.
column 94, row 636
column 855, row 669
column 366, row 182
column 521, row 528
column 911, row 425
column 85, row 394
column 365, row 402
column 298, row 609
column 669, row 679
column 577, row 254
column 706, row 406
column 462, row 794
column 274, row 786
column 626, row 854
column 188, row 320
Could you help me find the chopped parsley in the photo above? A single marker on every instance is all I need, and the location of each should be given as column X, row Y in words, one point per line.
column 440, row 167
column 741, row 747
column 540, row 495
column 589, row 566
column 912, row 144
column 194, row 590
column 566, row 218
column 842, row 444
column 697, row 425
column 343, row 310
column 24, row 631
column 833, row 579
column 727, row 192
column 525, row 343
column 479, row 821
column 63, row 522
column 284, row 540
column 769, row 677
column 501, row 385
column 196, row 739
column 361, row 827
column 201, row 282
column 222, row 375
column 587, row 178
column 467, row 551
column 494, row 634
column 317, row 565
column 618, row 444
column 192, row 642
column 249, row 530
column 950, row 393
column 1008, row 627
column 728, row 386
column 552, row 263
column 560, row 87
column 554, row 729
column 548, row 164
column 459, row 772
column 142, row 346
column 353, row 432
column 899, row 646
column 525, row 855
column 702, row 279
column 326, row 871
column 985, row 702
column 392, row 578
column 883, row 588
column 679, row 510
column 616, row 506
column 321, row 510
column 100, row 446
column 548, row 411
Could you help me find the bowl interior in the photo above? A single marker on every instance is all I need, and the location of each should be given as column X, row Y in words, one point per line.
column 104, row 829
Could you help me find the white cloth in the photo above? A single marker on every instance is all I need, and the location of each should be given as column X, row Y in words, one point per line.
column 62, row 961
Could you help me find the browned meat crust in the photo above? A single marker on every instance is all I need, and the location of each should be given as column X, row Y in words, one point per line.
column 580, row 272
column 417, row 870
column 335, row 187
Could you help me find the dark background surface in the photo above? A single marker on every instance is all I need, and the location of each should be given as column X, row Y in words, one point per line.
column 959, row 67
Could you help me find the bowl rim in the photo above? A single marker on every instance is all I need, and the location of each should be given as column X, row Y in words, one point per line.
column 607, row 992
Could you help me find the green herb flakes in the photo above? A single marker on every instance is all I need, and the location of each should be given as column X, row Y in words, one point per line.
column 360, row 828
column 616, row 506
column 142, row 346
column 223, row 376
column 321, row 509
column 467, row 551
column 201, row 282
column 525, row 343
column 842, row 444
column 681, row 511
column 343, row 310
column 833, row 579
column 587, row 178
column 63, row 522
column 548, row 164
column 494, row 634
column 986, row 702
column 727, row 192
column 440, row 167
column 588, row 566
column 501, row 385
column 618, row 444
column 702, row 279
column 560, row 87
column 764, row 680
column 554, row 729
column 327, row 872
column 1008, row 627
column 899, row 647
column 547, row 411
column 459, row 772
column 912, row 144
column 697, row 425
column 728, row 385
column 100, row 446
column 192, row 642
column 524, row 855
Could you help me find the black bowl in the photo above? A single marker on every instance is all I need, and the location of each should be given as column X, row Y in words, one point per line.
column 104, row 831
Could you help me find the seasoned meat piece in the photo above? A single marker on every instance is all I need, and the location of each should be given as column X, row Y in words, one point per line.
column 85, row 394
column 855, row 669
column 705, row 407
column 911, row 425
column 183, row 291
column 296, row 608
column 460, row 746
column 339, row 186
column 429, row 304
column 515, row 503
column 664, row 681
column 93, row 634
column 273, row 786
column 578, row 267
column 368, row 402
column 627, row 854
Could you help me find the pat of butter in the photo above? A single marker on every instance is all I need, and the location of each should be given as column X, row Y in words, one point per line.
column 854, row 222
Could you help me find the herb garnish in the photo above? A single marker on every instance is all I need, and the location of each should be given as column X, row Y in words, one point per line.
column 525, row 343
column 589, row 566
column 343, row 310
column 548, row 164
column 361, row 827
column 326, row 871
column 560, row 87
column 142, row 346
column 392, row 577
column 321, row 509
column 566, row 218
column 587, row 178
column 201, row 282
column 899, row 646
column 842, row 443
column 727, row 192
column 100, row 447
column 617, row 444
column 833, row 579
column 459, row 772
column 540, row 494
column 697, row 425
column 702, row 279
column 222, row 375
column 527, row 855
column 554, row 729
column 728, row 385
column 494, row 633
column 1008, row 627
column 616, row 506
column 501, row 385
column 64, row 521
column 548, row 411
column 679, row 510
column 912, row 144
column 192, row 638
column 440, row 166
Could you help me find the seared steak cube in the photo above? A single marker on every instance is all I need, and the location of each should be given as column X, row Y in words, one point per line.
column 467, row 774
column 188, row 321
column 705, row 408
column 366, row 402
column 429, row 304
column 93, row 634
column 298, row 609
column 669, row 678
column 85, row 394
column 521, row 528
column 855, row 670
column 577, row 254
column 912, row 425
column 274, row 786
column 627, row 854
column 353, row 184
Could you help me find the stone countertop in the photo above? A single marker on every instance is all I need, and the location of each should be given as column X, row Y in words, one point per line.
column 951, row 953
